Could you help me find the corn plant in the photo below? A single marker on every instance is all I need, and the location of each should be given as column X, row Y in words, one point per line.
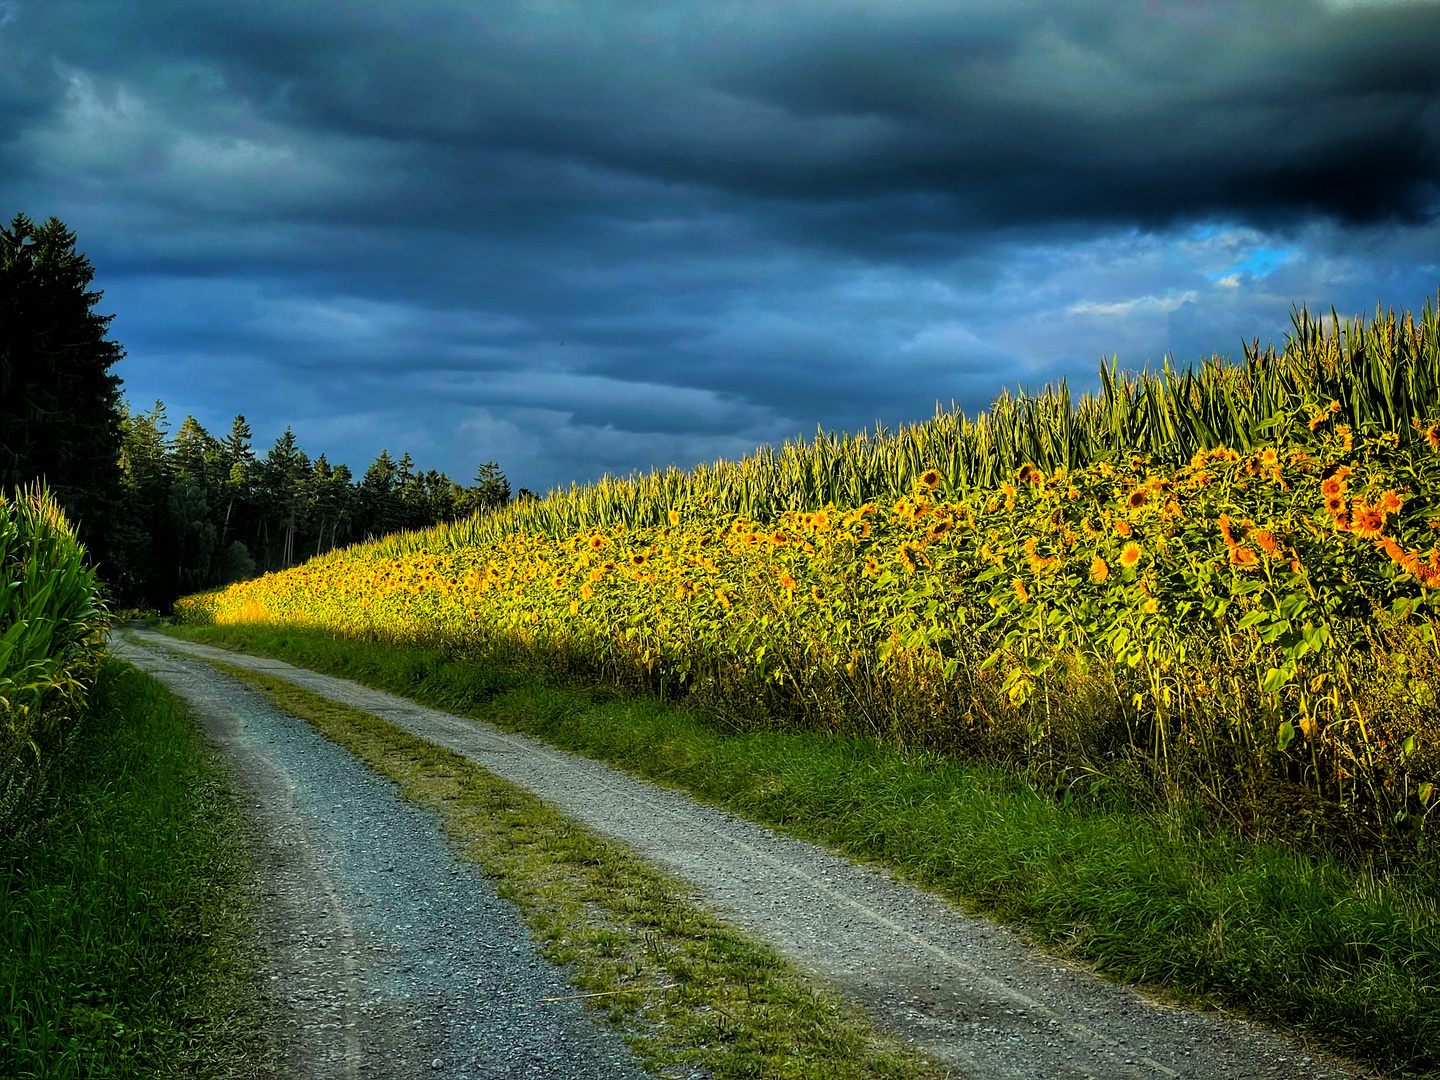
column 51, row 620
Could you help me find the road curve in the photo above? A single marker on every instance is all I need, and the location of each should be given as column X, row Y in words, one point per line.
column 970, row 992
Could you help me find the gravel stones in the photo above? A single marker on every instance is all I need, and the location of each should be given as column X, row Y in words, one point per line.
column 386, row 956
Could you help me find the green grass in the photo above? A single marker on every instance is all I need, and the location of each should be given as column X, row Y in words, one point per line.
column 689, row 990
column 126, row 942
column 1154, row 898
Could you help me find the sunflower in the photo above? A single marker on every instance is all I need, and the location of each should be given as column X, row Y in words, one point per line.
column 720, row 596
column 1267, row 542
column 872, row 567
column 1332, row 486
column 1269, row 457
column 1151, row 606
column 557, row 583
column 674, row 517
column 1123, row 528
column 1367, row 522
column 1347, row 440
column 574, row 607
column 596, row 542
column 1099, row 570
column 1390, row 502
column 906, row 555
column 816, row 595
column 1244, row 558
column 1026, row 470
column 930, row 478
column 639, row 559
column 1335, row 504
column 1131, row 555
column 1021, row 593
column 1392, row 549
column 787, row 582
column 586, row 592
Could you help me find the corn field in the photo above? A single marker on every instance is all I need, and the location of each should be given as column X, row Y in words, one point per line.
column 51, row 624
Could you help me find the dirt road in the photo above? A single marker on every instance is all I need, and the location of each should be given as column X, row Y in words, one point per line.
column 386, row 956
column 970, row 992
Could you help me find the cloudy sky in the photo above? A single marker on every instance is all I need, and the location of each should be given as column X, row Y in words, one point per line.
column 589, row 237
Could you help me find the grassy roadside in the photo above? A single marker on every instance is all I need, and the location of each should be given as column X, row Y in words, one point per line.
column 126, row 946
column 689, row 989
column 1352, row 957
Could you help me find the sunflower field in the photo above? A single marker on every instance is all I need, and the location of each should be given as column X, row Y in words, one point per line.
column 1254, row 625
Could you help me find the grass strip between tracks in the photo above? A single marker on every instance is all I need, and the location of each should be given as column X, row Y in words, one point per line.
column 127, row 946
column 687, row 989
column 1349, row 956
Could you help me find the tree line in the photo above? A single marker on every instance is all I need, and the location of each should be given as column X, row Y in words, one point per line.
column 167, row 514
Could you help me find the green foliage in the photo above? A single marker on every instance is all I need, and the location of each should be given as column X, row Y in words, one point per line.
column 126, row 948
column 51, row 621
column 200, row 511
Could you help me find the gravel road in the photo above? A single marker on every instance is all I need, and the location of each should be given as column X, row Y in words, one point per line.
column 970, row 992
column 385, row 955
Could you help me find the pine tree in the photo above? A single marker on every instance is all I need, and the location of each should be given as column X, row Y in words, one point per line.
column 196, row 454
column 284, row 476
column 146, row 475
column 237, row 463
column 492, row 489
column 380, row 509
column 59, row 403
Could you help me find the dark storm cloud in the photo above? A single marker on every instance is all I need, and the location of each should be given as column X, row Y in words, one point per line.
column 625, row 234
column 931, row 116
